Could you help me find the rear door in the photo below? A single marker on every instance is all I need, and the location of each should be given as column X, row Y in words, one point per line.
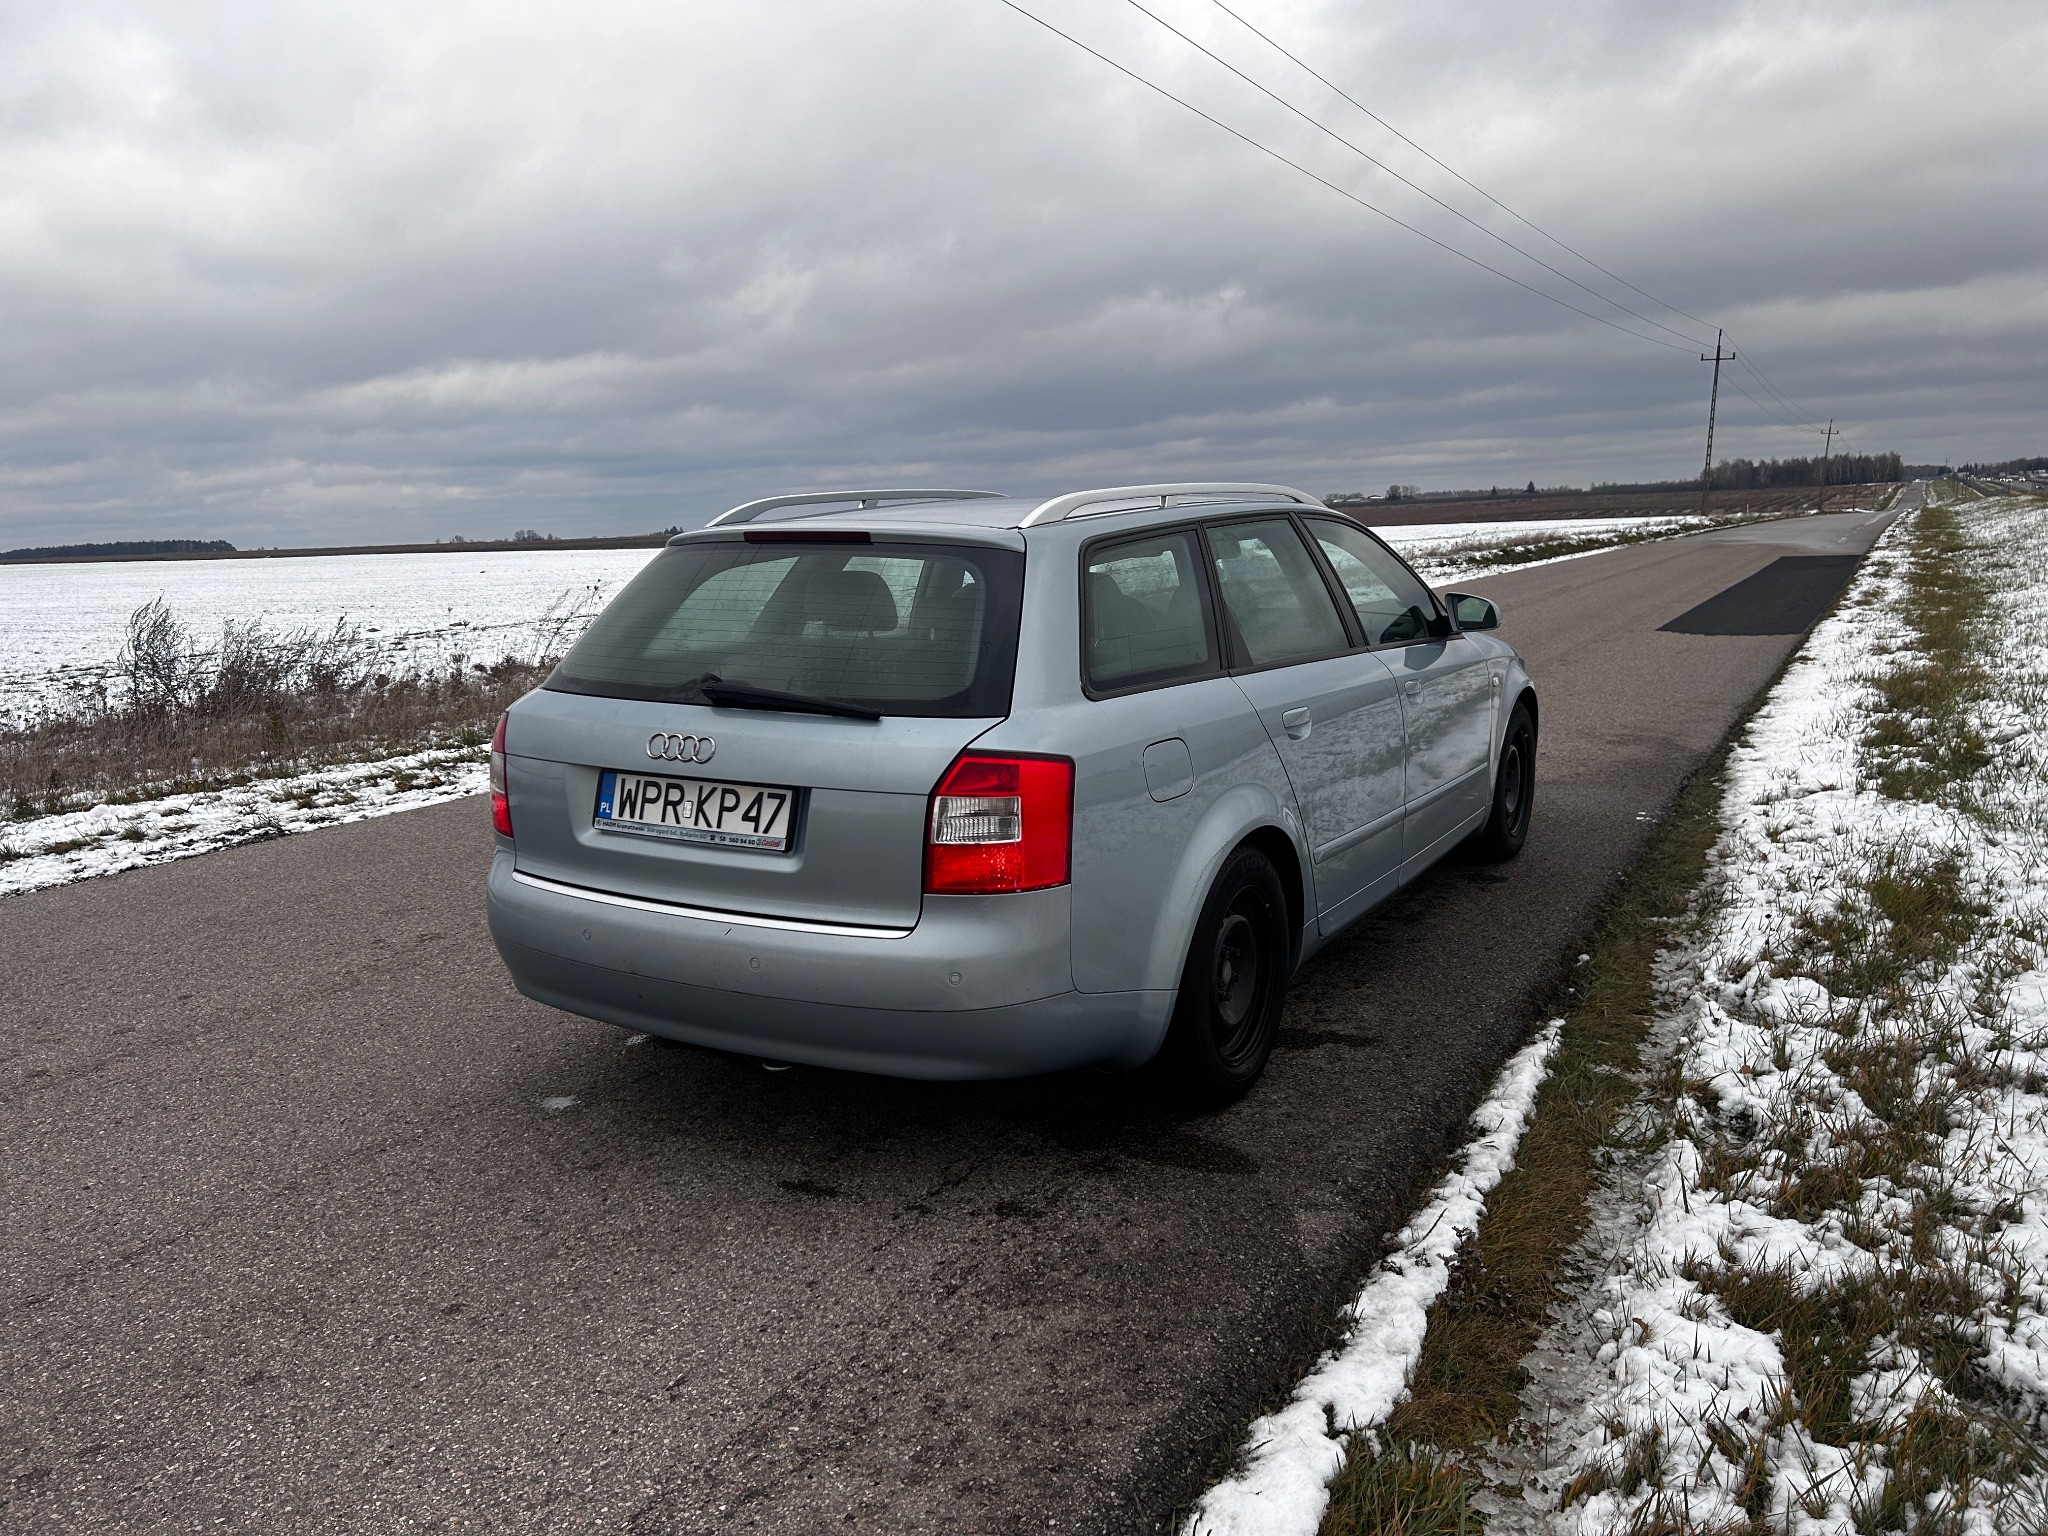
column 1447, row 690
column 1167, row 734
column 633, row 772
column 1331, row 709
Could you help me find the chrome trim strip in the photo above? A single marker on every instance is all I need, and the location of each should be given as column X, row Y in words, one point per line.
column 707, row 914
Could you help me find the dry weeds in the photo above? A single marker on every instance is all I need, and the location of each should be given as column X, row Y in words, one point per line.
column 180, row 717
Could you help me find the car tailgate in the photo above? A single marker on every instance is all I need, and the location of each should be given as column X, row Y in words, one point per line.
column 856, row 840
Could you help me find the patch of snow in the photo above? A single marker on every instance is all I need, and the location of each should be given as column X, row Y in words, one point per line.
column 104, row 839
column 1292, row 1454
column 1427, row 535
column 557, row 1103
column 1649, row 1395
column 1446, row 552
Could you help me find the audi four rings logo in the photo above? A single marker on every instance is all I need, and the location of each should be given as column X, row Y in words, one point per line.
column 668, row 747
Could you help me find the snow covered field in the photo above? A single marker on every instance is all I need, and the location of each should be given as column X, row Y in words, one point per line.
column 1443, row 552
column 61, row 626
column 1819, row 1299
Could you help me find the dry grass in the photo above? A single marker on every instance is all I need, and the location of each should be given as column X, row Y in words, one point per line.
column 1887, row 931
column 1468, row 1383
column 1408, row 1491
column 179, row 717
column 1921, row 740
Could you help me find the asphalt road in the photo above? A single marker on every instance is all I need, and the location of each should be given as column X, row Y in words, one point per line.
column 296, row 1242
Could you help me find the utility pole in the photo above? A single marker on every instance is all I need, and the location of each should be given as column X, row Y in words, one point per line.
column 1713, row 404
column 1825, row 448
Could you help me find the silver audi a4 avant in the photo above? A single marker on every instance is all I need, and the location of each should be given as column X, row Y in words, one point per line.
column 944, row 784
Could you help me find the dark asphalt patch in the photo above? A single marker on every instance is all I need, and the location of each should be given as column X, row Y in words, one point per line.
column 1783, row 598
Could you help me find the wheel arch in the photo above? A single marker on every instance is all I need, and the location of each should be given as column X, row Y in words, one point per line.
column 1245, row 814
column 1280, row 850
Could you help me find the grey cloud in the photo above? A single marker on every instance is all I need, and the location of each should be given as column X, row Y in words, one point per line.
column 280, row 272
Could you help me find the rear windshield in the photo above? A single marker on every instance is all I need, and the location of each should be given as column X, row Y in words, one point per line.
column 903, row 629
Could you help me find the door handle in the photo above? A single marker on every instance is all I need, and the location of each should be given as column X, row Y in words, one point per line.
column 1411, row 686
column 1296, row 723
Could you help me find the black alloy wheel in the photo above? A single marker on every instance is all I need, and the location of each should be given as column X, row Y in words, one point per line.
column 1234, row 985
column 1514, row 791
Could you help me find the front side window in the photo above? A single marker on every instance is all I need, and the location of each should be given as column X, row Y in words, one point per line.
column 1278, row 605
column 1393, row 607
column 900, row 629
column 1144, row 622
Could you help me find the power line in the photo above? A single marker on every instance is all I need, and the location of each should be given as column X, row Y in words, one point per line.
column 1370, row 159
column 1504, row 208
column 1804, row 413
column 1797, row 409
column 1765, row 406
column 1293, row 165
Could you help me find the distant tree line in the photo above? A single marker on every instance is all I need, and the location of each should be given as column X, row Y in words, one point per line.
column 1761, row 474
column 122, row 547
column 1840, row 469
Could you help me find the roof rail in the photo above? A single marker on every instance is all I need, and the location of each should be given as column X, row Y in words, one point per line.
column 747, row 511
column 1109, row 499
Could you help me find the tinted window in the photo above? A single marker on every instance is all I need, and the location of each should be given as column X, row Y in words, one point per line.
column 904, row 629
column 1275, row 595
column 1392, row 606
column 1144, row 612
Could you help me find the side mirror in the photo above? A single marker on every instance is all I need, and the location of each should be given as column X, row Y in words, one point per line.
column 1469, row 612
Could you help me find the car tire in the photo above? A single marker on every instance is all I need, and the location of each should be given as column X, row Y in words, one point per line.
column 1514, row 791
column 1234, row 985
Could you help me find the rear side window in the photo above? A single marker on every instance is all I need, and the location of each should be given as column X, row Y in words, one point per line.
column 1392, row 606
column 1145, row 613
column 899, row 628
column 1278, row 604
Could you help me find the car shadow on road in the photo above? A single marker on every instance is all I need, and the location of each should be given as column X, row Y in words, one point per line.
column 828, row 1133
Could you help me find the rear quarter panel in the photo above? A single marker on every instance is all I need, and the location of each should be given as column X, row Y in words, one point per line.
column 1141, row 867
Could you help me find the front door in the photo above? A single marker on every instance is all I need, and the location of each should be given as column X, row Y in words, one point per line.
column 1446, row 689
column 1333, row 712
column 1447, row 700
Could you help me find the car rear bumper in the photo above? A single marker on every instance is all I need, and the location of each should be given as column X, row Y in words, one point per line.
column 981, row 987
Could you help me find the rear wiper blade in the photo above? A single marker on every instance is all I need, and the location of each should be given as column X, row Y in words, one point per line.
column 747, row 696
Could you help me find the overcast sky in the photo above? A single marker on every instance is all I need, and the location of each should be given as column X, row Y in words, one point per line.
column 289, row 273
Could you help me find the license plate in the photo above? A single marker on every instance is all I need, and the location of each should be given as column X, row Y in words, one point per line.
column 695, row 810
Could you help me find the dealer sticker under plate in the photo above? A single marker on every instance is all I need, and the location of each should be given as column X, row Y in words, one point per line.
column 695, row 810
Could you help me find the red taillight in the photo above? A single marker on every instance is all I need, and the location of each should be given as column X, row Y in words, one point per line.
column 1000, row 823
column 501, row 808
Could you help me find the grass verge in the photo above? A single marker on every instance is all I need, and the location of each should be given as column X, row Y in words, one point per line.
column 1468, row 1383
